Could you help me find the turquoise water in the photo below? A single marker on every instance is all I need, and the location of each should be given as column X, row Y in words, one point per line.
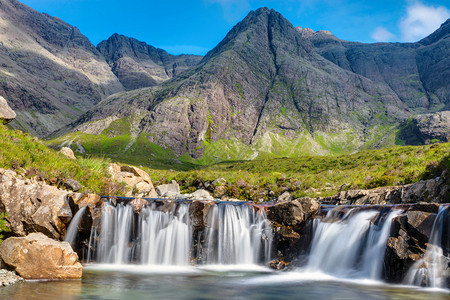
column 214, row 282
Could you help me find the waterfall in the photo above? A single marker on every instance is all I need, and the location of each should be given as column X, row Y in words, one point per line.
column 166, row 237
column 158, row 235
column 431, row 269
column 72, row 231
column 238, row 235
column 352, row 247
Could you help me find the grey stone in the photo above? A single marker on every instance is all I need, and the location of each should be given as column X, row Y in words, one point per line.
column 72, row 185
column 6, row 113
column 168, row 190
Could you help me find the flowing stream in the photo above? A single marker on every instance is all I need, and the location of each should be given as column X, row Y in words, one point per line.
column 235, row 240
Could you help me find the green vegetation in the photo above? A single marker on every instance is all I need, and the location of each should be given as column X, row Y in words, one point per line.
column 27, row 155
column 318, row 175
column 252, row 180
column 3, row 226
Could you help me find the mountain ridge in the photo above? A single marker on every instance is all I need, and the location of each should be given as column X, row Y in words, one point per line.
column 263, row 88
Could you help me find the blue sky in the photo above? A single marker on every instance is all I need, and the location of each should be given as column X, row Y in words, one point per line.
column 196, row 26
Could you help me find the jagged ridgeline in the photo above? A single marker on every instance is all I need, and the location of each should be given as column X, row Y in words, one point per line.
column 269, row 89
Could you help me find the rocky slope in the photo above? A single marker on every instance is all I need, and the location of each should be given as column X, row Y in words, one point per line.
column 263, row 89
column 49, row 72
column 139, row 65
column 416, row 72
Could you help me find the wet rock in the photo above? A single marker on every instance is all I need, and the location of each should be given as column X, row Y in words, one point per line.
column 38, row 257
column 292, row 213
column 72, row 185
column 67, row 152
column 198, row 212
column 137, row 181
column 34, row 206
column 408, row 240
column 6, row 112
column 171, row 190
column 137, row 204
column 8, row 277
column 278, row 264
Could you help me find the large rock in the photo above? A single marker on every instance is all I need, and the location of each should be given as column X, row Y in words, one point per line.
column 67, row 152
column 34, row 206
column 6, row 113
column 171, row 190
column 408, row 240
column 291, row 213
column 38, row 257
column 292, row 231
column 138, row 182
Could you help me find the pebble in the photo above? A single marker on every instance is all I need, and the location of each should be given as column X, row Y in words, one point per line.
column 8, row 277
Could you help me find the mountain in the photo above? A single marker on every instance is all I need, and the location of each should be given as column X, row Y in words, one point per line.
column 49, row 72
column 264, row 90
column 139, row 65
column 416, row 72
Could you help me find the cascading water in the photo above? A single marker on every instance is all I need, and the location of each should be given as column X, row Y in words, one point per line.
column 72, row 231
column 352, row 247
column 233, row 234
column 432, row 270
column 238, row 235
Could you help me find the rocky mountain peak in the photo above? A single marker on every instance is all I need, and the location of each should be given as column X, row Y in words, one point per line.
column 443, row 32
column 139, row 65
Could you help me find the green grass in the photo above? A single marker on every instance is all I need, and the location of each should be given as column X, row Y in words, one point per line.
column 319, row 175
column 252, row 180
column 26, row 154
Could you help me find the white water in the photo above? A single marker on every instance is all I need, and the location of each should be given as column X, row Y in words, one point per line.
column 430, row 270
column 238, row 235
column 235, row 235
column 72, row 231
column 166, row 237
column 352, row 247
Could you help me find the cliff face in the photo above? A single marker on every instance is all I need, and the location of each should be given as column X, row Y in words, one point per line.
column 49, row 72
column 416, row 72
column 139, row 65
column 263, row 87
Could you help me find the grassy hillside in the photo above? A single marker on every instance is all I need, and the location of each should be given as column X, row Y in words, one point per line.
column 252, row 180
column 29, row 156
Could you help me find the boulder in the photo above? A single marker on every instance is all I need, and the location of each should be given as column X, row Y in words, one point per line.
column 72, row 185
column 34, row 206
column 201, row 195
column 171, row 190
column 292, row 213
column 137, row 181
column 67, row 152
column 38, row 257
column 408, row 240
column 6, row 112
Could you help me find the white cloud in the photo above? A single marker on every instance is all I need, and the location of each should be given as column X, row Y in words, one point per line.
column 381, row 34
column 421, row 20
